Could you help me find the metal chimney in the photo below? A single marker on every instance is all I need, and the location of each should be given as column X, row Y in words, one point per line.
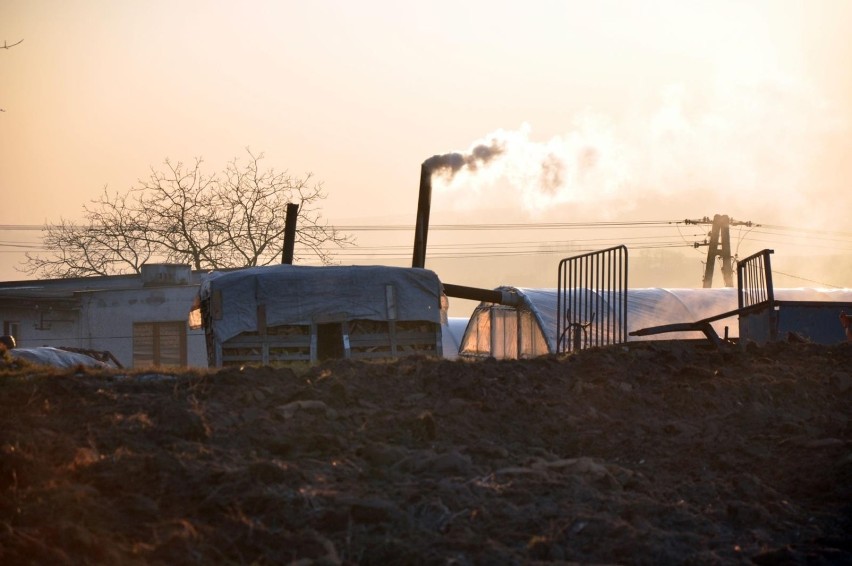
column 421, row 228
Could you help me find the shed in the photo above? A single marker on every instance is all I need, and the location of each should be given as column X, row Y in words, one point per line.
column 140, row 319
column 288, row 313
column 529, row 329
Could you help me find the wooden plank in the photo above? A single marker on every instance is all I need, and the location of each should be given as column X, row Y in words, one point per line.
column 347, row 343
column 238, row 358
column 394, row 336
column 290, row 358
column 387, row 355
column 273, row 357
column 217, row 353
column 411, row 335
column 256, row 341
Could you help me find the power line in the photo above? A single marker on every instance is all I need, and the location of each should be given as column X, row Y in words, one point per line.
column 508, row 226
column 826, row 237
column 768, row 229
column 512, row 226
column 807, row 230
column 632, row 241
column 801, row 244
column 774, row 271
column 410, row 227
column 451, row 250
column 22, row 227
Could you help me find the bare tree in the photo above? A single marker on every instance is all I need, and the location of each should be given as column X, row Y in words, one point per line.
column 181, row 214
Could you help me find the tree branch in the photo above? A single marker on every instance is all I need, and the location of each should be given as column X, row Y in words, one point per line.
column 181, row 214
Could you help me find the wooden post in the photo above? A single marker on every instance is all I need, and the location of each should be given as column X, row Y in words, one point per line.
column 290, row 233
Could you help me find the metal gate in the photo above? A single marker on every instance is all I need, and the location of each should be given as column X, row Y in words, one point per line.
column 592, row 300
column 754, row 280
column 758, row 317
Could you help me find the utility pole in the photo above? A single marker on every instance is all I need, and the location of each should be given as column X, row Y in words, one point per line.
column 725, row 256
column 720, row 236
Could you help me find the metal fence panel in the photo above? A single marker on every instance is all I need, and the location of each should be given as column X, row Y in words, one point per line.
column 754, row 280
column 592, row 300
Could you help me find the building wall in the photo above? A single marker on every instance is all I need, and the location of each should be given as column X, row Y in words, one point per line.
column 104, row 321
column 43, row 327
column 107, row 319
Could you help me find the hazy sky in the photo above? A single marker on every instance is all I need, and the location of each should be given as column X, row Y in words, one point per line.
column 642, row 110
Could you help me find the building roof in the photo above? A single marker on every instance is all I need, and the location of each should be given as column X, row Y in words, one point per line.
column 65, row 293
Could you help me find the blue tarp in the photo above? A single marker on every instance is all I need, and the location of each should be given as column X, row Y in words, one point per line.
column 301, row 295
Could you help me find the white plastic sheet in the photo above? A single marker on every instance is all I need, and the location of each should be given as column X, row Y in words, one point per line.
column 55, row 357
column 645, row 308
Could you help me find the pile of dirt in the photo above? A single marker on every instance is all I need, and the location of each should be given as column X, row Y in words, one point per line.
column 650, row 454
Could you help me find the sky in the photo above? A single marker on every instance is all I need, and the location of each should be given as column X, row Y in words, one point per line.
column 603, row 111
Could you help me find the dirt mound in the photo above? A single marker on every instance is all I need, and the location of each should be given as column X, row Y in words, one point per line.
column 657, row 453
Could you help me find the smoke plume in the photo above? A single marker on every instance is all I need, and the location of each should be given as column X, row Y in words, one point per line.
column 759, row 151
column 450, row 163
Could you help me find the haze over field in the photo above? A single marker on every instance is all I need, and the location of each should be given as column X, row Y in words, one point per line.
column 604, row 111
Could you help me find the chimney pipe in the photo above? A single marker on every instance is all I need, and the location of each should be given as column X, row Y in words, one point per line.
column 421, row 229
column 485, row 295
column 289, row 233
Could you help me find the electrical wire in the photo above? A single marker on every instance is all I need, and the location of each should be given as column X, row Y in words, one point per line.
column 775, row 271
column 771, row 234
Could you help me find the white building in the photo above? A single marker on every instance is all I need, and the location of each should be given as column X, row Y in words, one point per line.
column 140, row 319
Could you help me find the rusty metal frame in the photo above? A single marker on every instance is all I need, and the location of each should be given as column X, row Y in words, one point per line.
column 591, row 304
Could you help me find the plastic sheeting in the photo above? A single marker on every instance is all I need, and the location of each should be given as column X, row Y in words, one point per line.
column 55, row 357
column 304, row 294
column 491, row 330
column 451, row 335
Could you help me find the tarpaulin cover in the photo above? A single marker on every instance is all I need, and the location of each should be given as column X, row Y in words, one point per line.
column 645, row 308
column 304, row 294
column 47, row 356
column 451, row 334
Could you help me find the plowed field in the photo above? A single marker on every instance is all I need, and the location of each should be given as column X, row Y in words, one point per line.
column 660, row 453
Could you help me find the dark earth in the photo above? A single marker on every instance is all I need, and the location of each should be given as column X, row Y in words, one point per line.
column 657, row 453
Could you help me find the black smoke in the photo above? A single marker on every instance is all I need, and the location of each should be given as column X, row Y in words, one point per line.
column 450, row 163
